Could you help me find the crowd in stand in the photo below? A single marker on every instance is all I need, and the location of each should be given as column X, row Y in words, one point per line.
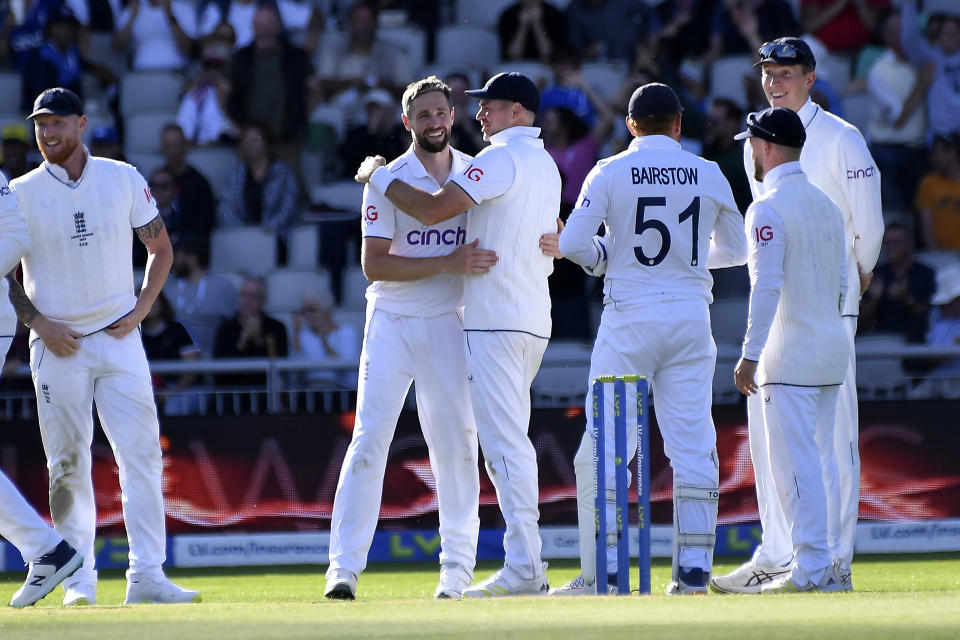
column 302, row 91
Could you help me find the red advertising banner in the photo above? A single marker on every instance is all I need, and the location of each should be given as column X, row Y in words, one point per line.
column 279, row 473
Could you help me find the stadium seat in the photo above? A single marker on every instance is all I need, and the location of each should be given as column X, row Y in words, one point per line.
column 728, row 319
column 344, row 195
column 235, row 278
column 880, row 377
column 563, row 376
column 353, row 289
column 411, row 38
column 249, row 249
column 303, row 245
column 605, row 77
column 215, row 163
column 145, row 162
column 467, row 44
column 443, row 70
column 485, row 14
column 101, row 52
column 937, row 259
column 142, row 132
column 11, row 90
column 726, row 78
column 858, row 109
column 150, row 92
column 286, row 287
column 540, row 73
column 350, row 318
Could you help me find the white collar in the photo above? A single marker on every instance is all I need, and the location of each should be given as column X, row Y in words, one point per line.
column 60, row 173
column 420, row 171
column 780, row 173
column 508, row 134
column 808, row 112
column 655, row 142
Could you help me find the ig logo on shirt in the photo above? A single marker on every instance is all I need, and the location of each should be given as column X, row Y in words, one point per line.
column 763, row 235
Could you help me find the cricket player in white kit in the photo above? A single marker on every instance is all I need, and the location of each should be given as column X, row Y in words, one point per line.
column 795, row 352
column 669, row 216
column 513, row 187
column 414, row 333
column 835, row 159
column 85, row 346
column 51, row 559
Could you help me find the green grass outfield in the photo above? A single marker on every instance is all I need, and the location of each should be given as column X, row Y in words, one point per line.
column 904, row 596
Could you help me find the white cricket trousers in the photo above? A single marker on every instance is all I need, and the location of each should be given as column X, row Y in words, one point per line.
column 19, row 522
column 799, row 423
column 501, row 365
column 776, row 547
column 113, row 373
column 672, row 345
column 398, row 350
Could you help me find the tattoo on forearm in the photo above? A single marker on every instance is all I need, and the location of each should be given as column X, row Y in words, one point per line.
column 151, row 230
column 24, row 309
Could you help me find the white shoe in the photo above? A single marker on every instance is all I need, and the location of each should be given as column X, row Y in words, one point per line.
column 748, row 578
column 45, row 573
column 797, row 582
column 690, row 582
column 508, row 582
column 579, row 587
column 454, row 579
column 80, row 594
column 157, row 590
column 843, row 575
column 341, row 585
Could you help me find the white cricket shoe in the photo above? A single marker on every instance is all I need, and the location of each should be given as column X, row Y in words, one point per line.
column 844, row 576
column 45, row 573
column 690, row 582
column 796, row 581
column 508, row 582
column 157, row 590
column 80, row 594
column 579, row 587
column 454, row 580
column 341, row 585
column 748, row 578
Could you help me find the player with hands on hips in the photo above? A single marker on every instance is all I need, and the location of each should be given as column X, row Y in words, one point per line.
column 795, row 350
column 77, row 298
column 835, row 159
column 669, row 216
column 512, row 191
column 413, row 333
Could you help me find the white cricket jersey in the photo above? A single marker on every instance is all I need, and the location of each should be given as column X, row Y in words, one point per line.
column 427, row 297
column 669, row 217
column 14, row 241
column 835, row 159
column 798, row 282
column 516, row 186
column 79, row 269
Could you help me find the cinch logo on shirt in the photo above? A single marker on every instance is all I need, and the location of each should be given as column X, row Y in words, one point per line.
column 456, row 236
column 473, row 173
column 855, row 174
column 5, row 191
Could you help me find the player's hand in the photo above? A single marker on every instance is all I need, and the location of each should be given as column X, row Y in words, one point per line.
column 471, row 259
column 865, row 279
column 745, row 377
column 367, row 167
column 550, row 242
column 59, row 338
column 124, row 325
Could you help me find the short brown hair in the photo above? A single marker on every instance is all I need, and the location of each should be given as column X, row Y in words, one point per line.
column 416, row 89
column 658, row 125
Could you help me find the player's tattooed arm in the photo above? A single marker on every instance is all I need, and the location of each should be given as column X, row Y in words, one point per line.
column 25, row 310
column 151, row 230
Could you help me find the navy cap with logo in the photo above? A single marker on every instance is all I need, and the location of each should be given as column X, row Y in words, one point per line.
column 511, row 86
column 786, row 51
column 653, row 100
column 57, row 101
column 777, row 125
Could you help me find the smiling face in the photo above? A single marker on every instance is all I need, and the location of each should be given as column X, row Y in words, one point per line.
column 430, row 121
column 58, row 137
column 787, row 85
column 495, row 115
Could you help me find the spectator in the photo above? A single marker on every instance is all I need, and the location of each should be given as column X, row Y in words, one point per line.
column 163, row 188
column 741, row 26
column 201, row 300
column 203, row 110
column 382, row 134
column 269, row 79
column 193, row 193
column 262, row 190
column 28, row 36
column 943, row 100
column 608, row 29
column 106, row 143
column 15, row 147
column 945, row 329
column 249, row 334
column 317, row 337
column 58, row 63
column 157, row 34
column 938, row 196
column 898, row 298
column 240, row 14
column 465, row 134
column 687, row 29
column 165, row 338
column 898, row 125
column 841, row 25
column 723, row 122
column 531, row 30
column 347, row 69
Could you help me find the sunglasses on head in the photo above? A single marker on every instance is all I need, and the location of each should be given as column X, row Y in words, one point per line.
column 779, row 50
